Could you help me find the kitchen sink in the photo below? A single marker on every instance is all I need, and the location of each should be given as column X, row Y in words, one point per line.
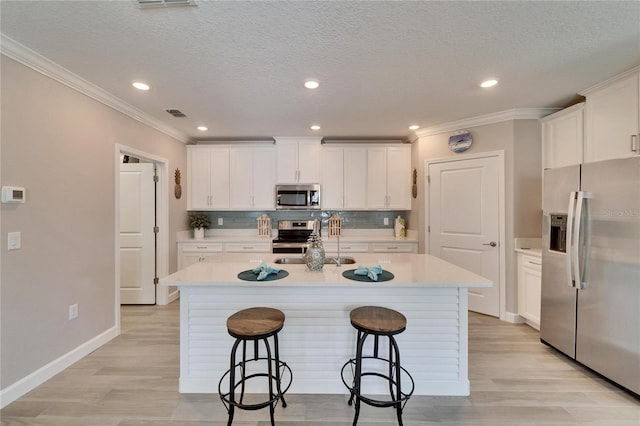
column 344, row 260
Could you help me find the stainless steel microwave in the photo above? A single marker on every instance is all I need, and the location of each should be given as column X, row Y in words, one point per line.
column 298, row 197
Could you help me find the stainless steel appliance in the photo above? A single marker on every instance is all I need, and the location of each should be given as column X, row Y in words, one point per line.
column 591, row 267
column 298, row 197
column 293, row 235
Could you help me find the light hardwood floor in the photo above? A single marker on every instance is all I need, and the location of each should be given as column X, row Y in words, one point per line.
column 133, row 380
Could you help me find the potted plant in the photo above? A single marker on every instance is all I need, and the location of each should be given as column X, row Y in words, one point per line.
column 199, row 222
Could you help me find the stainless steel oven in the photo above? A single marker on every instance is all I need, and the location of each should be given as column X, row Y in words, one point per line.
column 293, row 235
column 298, row 197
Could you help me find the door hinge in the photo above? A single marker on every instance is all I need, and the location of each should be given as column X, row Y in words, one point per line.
column 428, row 179
column 156, row 280
column 156, row 178
column 156, row 229
column 428, row 228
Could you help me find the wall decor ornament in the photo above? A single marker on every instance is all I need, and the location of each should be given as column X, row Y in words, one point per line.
column 460, row 141
column 414, row 181
column 178, row 189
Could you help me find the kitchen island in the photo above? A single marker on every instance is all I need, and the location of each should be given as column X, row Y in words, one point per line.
column 317, row 337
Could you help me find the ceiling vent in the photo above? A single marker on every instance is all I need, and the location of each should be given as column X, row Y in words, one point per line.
column 175, row 112
column 144, row 4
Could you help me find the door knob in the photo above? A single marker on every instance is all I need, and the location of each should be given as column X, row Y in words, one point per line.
column 492, row 244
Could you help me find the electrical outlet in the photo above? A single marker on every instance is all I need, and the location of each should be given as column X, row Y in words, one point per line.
column 220, row 221
column 386, row 221
column 73, row 311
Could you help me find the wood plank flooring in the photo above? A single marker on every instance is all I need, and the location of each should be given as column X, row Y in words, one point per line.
column 133, row 380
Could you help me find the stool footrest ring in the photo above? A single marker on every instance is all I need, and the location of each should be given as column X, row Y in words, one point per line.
column 282, row 368
column 377, row 402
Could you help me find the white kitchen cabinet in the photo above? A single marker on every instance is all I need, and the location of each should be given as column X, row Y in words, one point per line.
column 252, row 178
column 207, row 178
column 529, row 288
column 298, row 160
column 389, row 178
column 395, row 247
column 248, row 247
column 562, row 137
column 344, row 178
column 331, row 246
column 612, row 118
column 190, row 253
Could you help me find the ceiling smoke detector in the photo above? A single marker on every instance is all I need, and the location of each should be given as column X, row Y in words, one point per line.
column 144, row 4
column 175, row 112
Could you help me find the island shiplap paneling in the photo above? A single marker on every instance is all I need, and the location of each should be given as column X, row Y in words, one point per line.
column 318, row 338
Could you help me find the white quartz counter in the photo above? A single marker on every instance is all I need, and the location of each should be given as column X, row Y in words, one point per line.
column 317, row 338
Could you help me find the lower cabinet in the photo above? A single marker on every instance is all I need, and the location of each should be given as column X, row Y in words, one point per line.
column 529, row 288
column 190, row 253
column 259, row 247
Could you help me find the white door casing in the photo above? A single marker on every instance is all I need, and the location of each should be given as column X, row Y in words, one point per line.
column 136, row 223
column 464, row 218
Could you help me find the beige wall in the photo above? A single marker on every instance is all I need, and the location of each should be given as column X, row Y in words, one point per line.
column 60, row 145
column 521, row 143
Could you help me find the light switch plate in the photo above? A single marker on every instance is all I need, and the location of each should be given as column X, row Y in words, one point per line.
column 14, row 240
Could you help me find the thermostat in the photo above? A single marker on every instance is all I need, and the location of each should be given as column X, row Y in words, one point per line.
column 13, row 194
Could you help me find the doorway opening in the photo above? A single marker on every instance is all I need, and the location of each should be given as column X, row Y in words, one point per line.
column 158, row 244
column 465, row 221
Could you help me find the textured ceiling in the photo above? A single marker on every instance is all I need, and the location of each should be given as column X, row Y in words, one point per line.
column 238, row 67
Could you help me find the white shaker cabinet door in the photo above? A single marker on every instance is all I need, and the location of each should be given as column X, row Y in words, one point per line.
column 264, row 178
column 241, row 162
column 198, row 179
column 612, row 118
column 309, row 161
column 377, row 178
column 355, row 178
column 399, row 178
column 332, row 177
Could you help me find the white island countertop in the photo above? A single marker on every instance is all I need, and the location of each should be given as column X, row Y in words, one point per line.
column 409, row 270
column 317, row 338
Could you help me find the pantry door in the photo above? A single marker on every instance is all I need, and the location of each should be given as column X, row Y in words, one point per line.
column 137, row 237
column 464, row 221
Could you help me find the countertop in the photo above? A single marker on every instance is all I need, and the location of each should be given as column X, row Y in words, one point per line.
column 410, row 270
column 361, row 236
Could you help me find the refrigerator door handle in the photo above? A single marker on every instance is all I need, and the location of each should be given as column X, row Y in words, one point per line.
column 580, row 228
column 569, row 238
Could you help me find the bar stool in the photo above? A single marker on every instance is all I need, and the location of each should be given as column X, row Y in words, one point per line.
column 255, row 324
column 378, row 321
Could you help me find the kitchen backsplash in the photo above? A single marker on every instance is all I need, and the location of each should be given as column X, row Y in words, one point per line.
column 350, row 219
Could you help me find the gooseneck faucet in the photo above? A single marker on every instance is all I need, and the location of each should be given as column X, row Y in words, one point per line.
column 338, row 258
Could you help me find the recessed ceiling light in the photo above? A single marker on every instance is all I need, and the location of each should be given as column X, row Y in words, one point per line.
column 315, row 127
column 414, row 127
column 203, row 128
column 311, row 84
column 140, row 85
column 488, row 83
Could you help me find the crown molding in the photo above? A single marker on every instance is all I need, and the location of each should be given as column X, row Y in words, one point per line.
column 45, row 66
column 481, row 120
column 614, row 79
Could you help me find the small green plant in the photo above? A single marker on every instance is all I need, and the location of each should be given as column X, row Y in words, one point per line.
column 199, row 220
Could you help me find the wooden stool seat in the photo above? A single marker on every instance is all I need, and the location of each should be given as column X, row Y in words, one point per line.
column 378, row 320
column 255, row 323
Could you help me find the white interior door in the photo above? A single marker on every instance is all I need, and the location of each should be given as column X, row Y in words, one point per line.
column 137, row 246
column 465, row 222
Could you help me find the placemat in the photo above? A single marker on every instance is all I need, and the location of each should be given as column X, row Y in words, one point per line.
column 384, row 276
column 248, row 275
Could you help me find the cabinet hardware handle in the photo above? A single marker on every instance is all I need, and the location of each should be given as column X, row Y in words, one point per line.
column 202, row 247
column 634, row 143
column 535, row 263
column 392, row 248
column 247, row 248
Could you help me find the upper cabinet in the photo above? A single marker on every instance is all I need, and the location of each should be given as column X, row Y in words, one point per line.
column 612, row 118
column 207, row 178
column 298, row 160
column 252, row 178
column 344, row 177
column 562, row 137
column 389, row 177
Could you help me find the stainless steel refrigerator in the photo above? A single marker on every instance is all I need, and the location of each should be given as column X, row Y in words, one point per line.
column 591, row 266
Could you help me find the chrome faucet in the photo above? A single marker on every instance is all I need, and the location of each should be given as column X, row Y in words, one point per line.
column 338, row 258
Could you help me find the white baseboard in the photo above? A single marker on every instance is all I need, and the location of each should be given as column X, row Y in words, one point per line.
column 513, row 318
column 35, row 379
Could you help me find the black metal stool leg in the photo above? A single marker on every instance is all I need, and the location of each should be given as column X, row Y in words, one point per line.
column 243, row 371
column 358, row 377
column 278, row 375
column 392, row 342
column 391, row 364
column 353, row 385
column 232, row 381
column 270, row 379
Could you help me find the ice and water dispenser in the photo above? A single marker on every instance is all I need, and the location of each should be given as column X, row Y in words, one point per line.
column 558, row 232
